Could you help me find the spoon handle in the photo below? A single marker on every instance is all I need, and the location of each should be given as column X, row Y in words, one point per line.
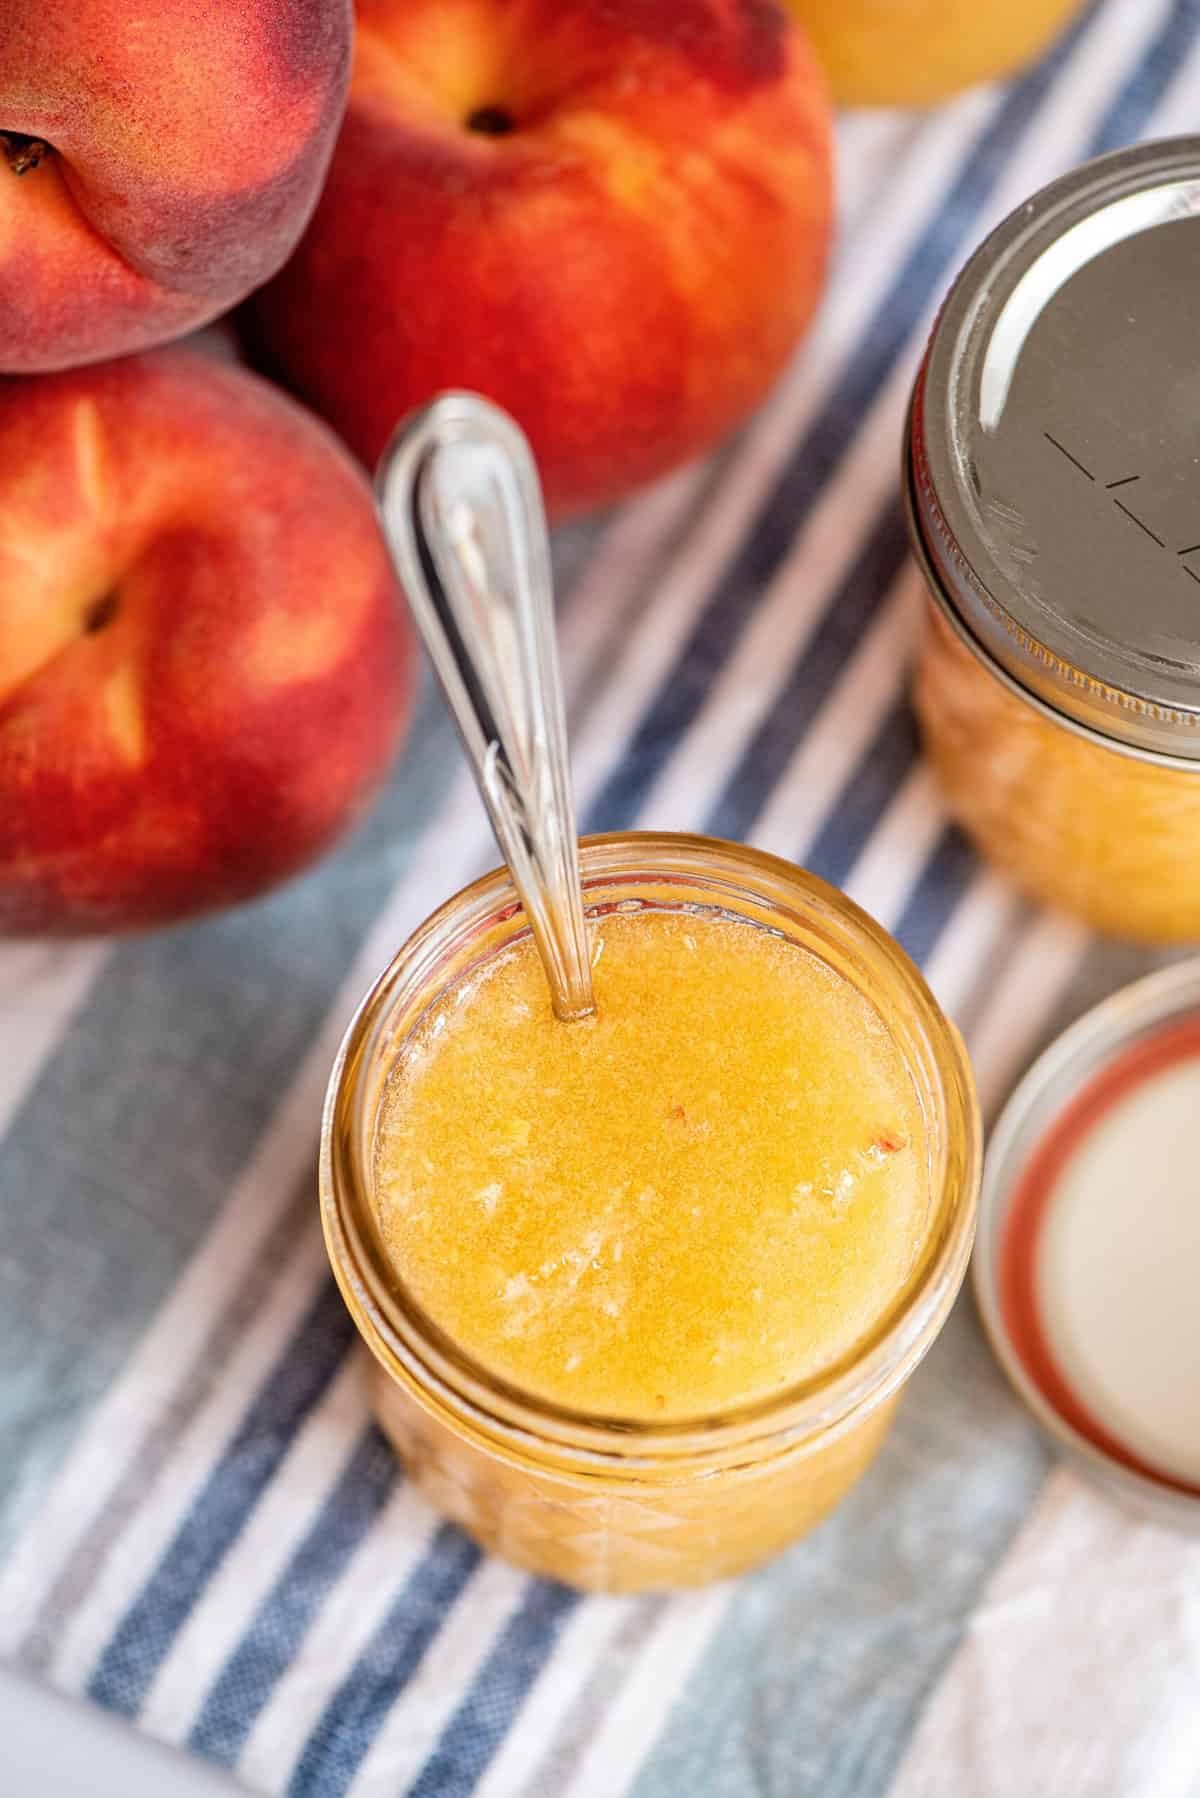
column 462, row 512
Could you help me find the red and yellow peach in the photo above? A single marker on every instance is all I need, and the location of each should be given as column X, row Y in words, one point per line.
column 611, row 216
column 915, row 52
column 204, row 661
column 156, row 163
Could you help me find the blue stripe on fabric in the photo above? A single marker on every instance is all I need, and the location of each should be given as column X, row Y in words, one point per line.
column 352, row 1718
column 217, row 1517
column 250, row 1675
column 813, row 674
column 483, row 1719
column 1148, row 80
column 771, row 534
column 871, row 789
column 934, row 900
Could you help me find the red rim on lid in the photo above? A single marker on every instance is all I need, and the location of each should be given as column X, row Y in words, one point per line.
column 1087, row 1262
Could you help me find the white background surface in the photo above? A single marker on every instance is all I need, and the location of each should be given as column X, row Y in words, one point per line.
column 56, row 1749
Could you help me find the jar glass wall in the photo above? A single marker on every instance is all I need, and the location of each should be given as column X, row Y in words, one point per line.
column 611, row 1504
column 1108, row 833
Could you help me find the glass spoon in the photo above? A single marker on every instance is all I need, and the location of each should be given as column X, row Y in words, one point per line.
column 463, row 516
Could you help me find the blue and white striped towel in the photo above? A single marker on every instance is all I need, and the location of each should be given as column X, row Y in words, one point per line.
column 199, row 1525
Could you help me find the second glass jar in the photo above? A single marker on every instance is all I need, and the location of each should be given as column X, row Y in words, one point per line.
column 1050, row 474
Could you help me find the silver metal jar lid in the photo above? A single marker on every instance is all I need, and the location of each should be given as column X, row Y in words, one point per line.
column 1054, row 452
column 1088, row 1246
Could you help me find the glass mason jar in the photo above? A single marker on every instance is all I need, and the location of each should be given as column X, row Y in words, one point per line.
column 610, row 1504
column 1055, row 513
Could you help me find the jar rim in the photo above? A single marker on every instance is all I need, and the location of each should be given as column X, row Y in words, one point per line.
column 1088, row 730
column 412, row 1346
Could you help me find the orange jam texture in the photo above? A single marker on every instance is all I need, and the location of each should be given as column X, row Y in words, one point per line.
column 1110, row 837
column 709, row 1190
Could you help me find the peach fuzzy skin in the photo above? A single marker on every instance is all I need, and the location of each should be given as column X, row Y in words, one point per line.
column 625, row 269
column 204, row 660
column 913, row 52
column 156, row 163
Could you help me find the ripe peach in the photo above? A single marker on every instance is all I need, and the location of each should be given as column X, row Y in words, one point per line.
column 611, row 216
column 204, row 661
column 913, row 52
column 156, row 163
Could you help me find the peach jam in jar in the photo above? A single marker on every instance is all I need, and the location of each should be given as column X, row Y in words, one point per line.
column 642, row 1289
column 1053, row 474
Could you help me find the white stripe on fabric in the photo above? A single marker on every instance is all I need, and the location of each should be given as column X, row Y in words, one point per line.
column 987, row 909
column 1097, row 1602
column 311, row 1468
column 841, row 731
column 139, row 1548
column 347, row 1621
column 42, row 986
column 610, row 578
column 1175, row 117
column 894, row 859
column 870, row 145
column 1062, row 131
column 581, row 1647
column 1027, row 991
column 447, row 1670
column 616, row 1751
